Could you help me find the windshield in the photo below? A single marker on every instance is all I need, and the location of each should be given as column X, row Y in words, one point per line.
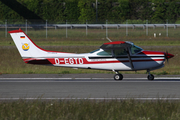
column 135, row 49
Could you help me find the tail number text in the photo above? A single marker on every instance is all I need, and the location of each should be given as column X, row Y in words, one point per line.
column 69, row 61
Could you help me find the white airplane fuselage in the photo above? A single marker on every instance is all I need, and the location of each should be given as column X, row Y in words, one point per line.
column 145, row 60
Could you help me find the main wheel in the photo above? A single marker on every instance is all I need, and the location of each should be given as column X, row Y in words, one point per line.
column 118, row 77
column 150, row 77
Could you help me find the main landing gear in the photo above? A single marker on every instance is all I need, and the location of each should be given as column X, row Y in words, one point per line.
column 118, row 76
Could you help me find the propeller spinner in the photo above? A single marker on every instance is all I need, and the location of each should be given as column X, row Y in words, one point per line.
column 168, row 55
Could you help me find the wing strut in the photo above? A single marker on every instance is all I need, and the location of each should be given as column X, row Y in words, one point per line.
column 129, row 57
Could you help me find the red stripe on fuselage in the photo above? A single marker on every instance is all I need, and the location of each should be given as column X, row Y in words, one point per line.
column 75, row 61
column 151, row 52
column 37, row 61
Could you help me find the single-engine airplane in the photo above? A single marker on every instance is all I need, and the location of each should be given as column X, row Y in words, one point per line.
column 114, row 56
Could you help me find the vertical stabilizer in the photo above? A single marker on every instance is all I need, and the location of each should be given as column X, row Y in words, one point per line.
column 26, row 47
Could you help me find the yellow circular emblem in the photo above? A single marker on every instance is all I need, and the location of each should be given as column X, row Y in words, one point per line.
column 25, row 47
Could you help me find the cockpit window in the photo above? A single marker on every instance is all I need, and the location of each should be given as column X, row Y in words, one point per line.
column 135, row 49
column 105, row 53
column 117, row 52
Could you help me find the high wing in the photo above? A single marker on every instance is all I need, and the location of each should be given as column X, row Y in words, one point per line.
column 120, row 45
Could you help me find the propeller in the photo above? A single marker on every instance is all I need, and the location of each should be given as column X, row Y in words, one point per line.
column 168, row 55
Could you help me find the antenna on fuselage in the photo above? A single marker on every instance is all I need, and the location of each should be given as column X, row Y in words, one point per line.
column 109, row 39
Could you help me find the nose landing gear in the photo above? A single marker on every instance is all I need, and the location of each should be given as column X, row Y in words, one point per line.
column 150, row 76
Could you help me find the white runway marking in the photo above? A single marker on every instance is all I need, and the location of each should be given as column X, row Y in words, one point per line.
column 119, row 99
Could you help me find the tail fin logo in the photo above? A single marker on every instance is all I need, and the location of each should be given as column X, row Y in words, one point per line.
column 22, row 37
column 25, row 47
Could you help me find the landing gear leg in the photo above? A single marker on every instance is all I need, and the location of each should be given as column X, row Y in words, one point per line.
column 118, row 76
column 150, row 76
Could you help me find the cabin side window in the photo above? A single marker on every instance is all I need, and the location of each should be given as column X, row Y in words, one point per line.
column 119, row 52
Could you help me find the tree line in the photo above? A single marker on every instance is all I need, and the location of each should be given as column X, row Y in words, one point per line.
column 80, row 11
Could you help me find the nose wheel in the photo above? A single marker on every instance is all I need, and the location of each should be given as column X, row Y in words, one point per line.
column 150, row 76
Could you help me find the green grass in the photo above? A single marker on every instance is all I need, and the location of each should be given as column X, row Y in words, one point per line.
column 90, row 110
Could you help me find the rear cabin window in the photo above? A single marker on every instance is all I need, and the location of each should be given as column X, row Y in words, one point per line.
column 105, row 53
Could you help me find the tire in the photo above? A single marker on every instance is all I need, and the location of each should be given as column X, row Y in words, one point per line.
column 150, row 77
column 118, row 77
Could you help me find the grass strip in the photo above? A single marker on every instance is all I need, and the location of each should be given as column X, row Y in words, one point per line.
column 97, row 37
column 90, row 110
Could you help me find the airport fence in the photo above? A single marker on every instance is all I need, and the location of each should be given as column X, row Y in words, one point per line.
column 70, row 29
